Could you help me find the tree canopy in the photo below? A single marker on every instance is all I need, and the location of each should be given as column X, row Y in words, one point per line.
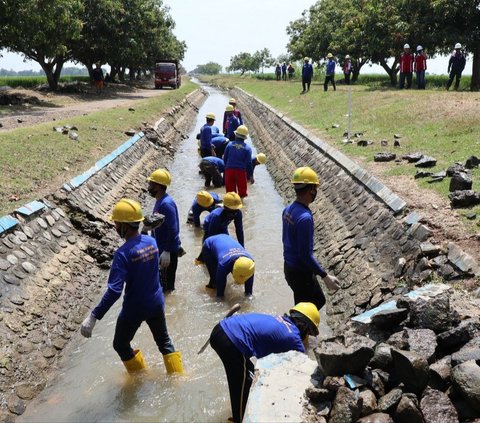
column 210, row 68
column 130, row 34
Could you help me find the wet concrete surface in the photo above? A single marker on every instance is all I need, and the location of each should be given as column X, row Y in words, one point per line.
column 92, row 384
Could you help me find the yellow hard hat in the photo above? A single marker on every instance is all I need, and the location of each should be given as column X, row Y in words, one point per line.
column 306, row 59
column 243, row 269
column 127, row 211
column 305, row 175
column 232, row 101
column 229, row 108
column 329, row 55
column 160, row 176
column 210, row 116
column 261, row 158
column 204, row 199
column 310, row 311
column 241, row 132
column 232, row 201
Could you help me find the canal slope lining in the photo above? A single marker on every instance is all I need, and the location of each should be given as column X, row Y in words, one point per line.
column 55, row 254
column 361, row 234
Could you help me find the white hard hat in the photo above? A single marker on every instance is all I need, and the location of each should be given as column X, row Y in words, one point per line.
column 419, row 48
column 347, row 56
column 406, row 46
column 458, row 45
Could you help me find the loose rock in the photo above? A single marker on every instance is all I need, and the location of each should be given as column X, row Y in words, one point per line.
column 460, row 181
column 376, row 418
column 411, row 369
column 436, row 407
column 426, row 161
column 466, row 380
column 369, row 402
column 346, row 407
column 384, row 157
column 407, row 411
column 390, row 400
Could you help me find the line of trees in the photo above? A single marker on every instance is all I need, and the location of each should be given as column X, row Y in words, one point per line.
column 261, row 59
column 210, row 68
column 373, row 31
column 126, row 34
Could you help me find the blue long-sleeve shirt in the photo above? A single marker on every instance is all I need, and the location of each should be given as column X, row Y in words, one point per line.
column 297, row 239
column 217, row 161
column 135, row 266
column 206, row 137
column 217, row 223
column 330, row 67
column 258, row 335
column 168, row 234
column 232, row 124
column 215, row 130
column 307, row 71
column 220, row 253
column 197, row 209
column 238, row 155
column 220, row 143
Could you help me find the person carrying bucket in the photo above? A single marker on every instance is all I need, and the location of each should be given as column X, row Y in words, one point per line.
column 135, row 268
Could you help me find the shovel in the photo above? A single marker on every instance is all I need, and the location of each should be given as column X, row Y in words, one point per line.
column 233, row 310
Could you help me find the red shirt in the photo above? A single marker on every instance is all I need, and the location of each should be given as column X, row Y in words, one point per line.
column 420, row 62
column 406, row 62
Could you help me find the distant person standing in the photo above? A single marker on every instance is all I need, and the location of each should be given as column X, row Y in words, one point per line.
column 307, row 75
column 284, row 71
column 406, row 67
column 98, row 79
column 291, row 71
column 456, row 65
column 347, row 69
column 236, row 112
column 206, row 136
column 420, row 67
column 278, row 71
column 330, row 73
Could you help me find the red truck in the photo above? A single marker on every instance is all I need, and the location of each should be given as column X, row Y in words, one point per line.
column 167, row 74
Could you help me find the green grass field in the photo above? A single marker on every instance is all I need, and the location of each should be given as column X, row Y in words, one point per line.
column 34, row 159
column 441, row 124
column 35, row 81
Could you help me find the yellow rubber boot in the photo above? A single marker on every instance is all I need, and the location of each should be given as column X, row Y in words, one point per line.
column 173, row 362
column 136, row 363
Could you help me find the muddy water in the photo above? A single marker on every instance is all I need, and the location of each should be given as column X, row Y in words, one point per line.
column 92, row 384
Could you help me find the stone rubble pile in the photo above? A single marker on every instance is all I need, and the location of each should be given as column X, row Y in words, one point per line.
column 412, row 361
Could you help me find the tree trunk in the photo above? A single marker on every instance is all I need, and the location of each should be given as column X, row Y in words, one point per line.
column 356, row 69
column 121, row 73
column 113, row 72
column 52, row 71
column 131, row 74
column 89, row 67
column 392, row 71
column 475, row 81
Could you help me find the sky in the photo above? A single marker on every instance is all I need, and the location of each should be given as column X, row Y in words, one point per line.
column 216, row 30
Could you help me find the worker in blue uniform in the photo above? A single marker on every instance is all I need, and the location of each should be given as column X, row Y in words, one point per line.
column 135, row 267
column 204, row 201
column 167, row 235
column 259, row 159
column 231, row 123
column 307, row 75
column 219, row 144
column 218, row 220
column 238, row 338
column 206, row 136
column 300, row 265
column 212, row 169
column 223, row 255
column 238, row 163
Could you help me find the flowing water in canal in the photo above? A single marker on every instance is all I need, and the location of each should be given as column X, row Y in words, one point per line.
column 92, row 384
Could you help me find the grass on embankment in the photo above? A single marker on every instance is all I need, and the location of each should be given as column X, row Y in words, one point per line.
column 36, row 159
column 34, row 81
column 445, row 125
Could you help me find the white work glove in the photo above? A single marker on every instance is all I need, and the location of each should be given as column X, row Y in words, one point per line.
column 87, row 326
column 164, row 259
column 331, row 282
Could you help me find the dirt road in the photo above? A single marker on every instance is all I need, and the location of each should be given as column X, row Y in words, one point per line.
column 60, row 106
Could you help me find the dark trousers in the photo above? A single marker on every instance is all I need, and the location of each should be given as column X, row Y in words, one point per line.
column 167, row 275
column 278, row 76
column 306, row 83
column 284, row 76
column 205, row 152
column 454, row 75
column 305, row 286
column 329, row 78
column 125, row 330
column 347, row 78
column 421, row 80
column 211, row 173
column 238, row 368
column 408, row 77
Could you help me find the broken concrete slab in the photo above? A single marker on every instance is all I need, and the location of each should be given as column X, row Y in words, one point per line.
column 412, row 218
column 290, row 374
column 388, row 319
column 462, row 260
column 384, row 157
column 419, row 232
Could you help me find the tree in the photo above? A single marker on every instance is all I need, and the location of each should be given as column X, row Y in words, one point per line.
column 244, row 62
column 265, row 58
column 459, row 21
column 44, row 36
column 210, row 68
